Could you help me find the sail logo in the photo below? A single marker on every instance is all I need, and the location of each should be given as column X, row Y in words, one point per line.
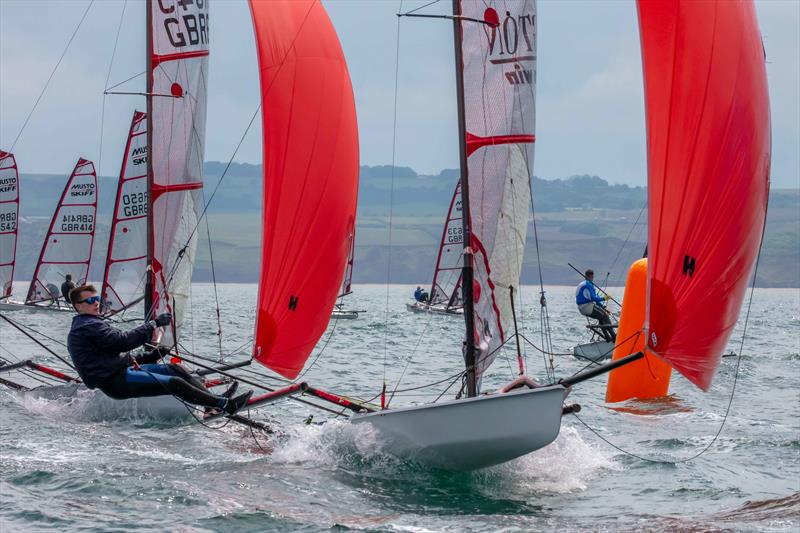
column 185, row 24
column 8, row 184
column 81, row 189
column 139, row 155
column 77, row 223
column 512, row 42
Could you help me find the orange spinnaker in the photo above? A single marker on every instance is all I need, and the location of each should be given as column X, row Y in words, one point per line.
column 648, row 377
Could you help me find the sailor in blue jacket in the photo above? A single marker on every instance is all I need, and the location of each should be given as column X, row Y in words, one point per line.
column 591, row 305
column 420, row 295
column 98, row 351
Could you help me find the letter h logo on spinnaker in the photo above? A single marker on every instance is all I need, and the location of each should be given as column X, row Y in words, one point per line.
column 688, row 265
column 293, row 303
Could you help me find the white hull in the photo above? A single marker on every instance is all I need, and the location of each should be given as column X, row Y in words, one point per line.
column 419, row 307
column 94, row 405
column 11, row 305
column 594, row 351
column 344, row 314
column 471, row 433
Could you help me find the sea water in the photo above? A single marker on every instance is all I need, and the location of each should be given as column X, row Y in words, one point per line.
column 620, row 467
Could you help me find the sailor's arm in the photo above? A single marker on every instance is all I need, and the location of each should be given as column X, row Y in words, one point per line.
column 107, row 337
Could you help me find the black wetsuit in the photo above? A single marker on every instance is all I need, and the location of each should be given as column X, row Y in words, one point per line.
column 97, row 349
column 65, row 288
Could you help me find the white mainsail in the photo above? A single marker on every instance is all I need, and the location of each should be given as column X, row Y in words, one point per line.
column 445, row 289
column 499, row 78
column 67, row 248
column 126, row 260
column 9, row 220
column 178, row 68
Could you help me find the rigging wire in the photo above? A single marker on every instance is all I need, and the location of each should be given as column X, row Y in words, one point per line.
column 52, row 73
column 108, row 77
column 391, row 200
column 622, row 247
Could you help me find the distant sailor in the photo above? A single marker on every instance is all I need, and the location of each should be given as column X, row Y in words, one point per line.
column 97, row 350
column 420, row 295
column 592, row 305
column 67, row 286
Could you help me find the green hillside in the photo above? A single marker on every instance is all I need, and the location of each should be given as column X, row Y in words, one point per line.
column 580, row 220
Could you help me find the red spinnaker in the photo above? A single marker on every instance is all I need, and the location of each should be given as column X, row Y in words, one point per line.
column 310, row 178
column 708, row 135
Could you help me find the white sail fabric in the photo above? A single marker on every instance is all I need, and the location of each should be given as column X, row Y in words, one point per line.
column 67, row 248
column 126, row 261
column 449, row 263
column 179, row 68
column 9, row 217
column 499, row 68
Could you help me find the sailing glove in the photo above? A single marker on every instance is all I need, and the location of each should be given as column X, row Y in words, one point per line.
column 161, row 320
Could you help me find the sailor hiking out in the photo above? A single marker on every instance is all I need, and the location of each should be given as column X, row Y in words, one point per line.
column 98, row 351
column 591, row 305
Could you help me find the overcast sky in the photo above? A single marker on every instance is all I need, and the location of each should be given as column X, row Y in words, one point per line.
column 590, row 109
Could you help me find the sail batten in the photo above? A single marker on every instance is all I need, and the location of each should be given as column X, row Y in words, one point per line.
column 9, row 220
column 310, row 156
column 67, row 248
column 708, row 174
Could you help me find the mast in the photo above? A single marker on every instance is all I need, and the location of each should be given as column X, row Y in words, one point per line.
column 149, row 282
column 466, row 275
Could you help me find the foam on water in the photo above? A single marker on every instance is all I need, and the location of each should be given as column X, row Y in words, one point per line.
column 129, row 470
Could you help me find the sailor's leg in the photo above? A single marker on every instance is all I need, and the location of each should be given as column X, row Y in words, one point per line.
column 143, row 382
column 602, row 318
column 171, row 369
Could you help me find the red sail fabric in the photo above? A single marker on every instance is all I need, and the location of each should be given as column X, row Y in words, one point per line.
column 67, row 248
column 708, row 137
column 9, row 217
column 310, row 178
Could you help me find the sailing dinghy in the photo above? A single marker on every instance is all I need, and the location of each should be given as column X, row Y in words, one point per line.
column 160, row 185
column 9, row 223
column 339, row 310
column 445, row 293
column 67, row 247
column 719, row 146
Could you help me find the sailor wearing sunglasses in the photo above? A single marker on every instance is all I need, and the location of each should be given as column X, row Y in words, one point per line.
column 99, row 352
